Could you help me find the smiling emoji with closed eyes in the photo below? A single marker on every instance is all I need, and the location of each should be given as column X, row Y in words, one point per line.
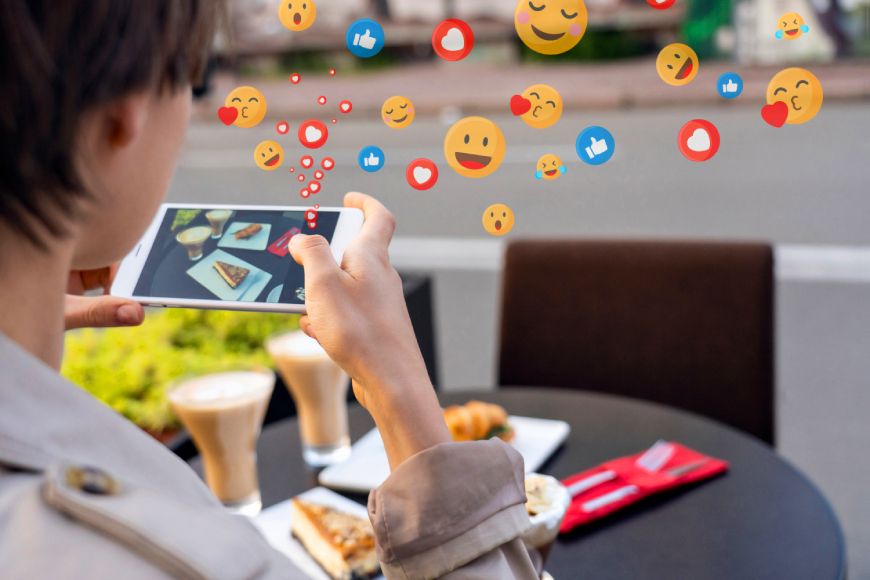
column 677, row 64
column 268, row 155
column 791, row 26
column 550, row 167
column 801, row 92
column 474, row 147
column 397, row 112
column 251, row 105
column 297, row 14
column 546, row 106
column 550, row 26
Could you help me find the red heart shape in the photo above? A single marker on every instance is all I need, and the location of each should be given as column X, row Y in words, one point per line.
column 228, row 114
column 519, row 105
column 775, row 114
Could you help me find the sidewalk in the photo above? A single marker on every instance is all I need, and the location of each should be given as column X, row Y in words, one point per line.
column 476, row 88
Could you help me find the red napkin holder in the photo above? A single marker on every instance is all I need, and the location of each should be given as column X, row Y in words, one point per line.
column 281, row 246
column 627, row 473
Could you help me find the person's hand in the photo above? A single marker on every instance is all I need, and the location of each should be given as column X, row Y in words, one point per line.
column 98, row 311
column 358, row 314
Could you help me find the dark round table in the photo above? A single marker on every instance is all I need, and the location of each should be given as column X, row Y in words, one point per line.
column 763, row 519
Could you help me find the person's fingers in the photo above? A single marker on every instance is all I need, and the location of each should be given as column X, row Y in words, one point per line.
column 101, row 312
column 379, row 223
column 305, row 326
column 314, row 254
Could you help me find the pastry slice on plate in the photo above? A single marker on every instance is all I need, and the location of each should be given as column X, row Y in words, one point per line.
column 233, row 275
column 250, row 231
column 343, row 544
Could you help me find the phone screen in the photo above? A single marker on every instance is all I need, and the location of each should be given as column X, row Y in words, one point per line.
column 229, row 255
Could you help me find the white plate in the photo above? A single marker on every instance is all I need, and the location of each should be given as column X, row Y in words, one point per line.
column 274, row 524
column 368, row 467
column 258, row 241
column 275, row 294
column 205, row 274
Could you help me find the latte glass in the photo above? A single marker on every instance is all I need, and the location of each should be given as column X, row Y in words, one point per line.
column 223, row 413
column 319, row 389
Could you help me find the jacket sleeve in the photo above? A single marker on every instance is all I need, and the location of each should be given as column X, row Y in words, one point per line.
column 454, row 511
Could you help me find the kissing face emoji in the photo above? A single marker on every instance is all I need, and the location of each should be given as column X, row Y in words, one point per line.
column 800, row 90
column 550, row 26
column 268, row 155
column 549, row 167
column 251, row 105
column 791, row 26
column 677, row 64
column 397, row 112
column 474, row 147
column 546, row 106
column 297, row 14
column 498, row 219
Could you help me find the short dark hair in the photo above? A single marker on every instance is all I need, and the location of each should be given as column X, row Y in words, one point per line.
column 61, row 58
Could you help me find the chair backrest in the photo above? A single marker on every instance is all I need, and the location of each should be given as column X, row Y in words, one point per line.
column 685, row 324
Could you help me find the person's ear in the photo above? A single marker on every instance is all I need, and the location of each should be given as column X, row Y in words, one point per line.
column 124, row 120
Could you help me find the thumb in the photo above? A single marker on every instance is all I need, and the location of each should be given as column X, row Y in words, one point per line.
column 314, row 254
column 101, row 312
column 594, row 141
column 367, row 34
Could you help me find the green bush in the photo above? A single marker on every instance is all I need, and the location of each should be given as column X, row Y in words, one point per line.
column 129, row 368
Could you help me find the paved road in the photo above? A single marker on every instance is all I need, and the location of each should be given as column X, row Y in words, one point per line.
column 798, row 184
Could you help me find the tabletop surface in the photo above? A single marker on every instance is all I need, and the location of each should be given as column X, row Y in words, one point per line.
column 763, row 519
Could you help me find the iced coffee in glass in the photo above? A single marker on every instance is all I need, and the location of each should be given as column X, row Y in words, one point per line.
column 193, row 240
column 223, row 413
column 218, row 218
column 319, row 389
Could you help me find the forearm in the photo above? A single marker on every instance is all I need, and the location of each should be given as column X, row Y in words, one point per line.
column 408, row 417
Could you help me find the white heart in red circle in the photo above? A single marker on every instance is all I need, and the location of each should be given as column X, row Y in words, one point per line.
column 314, row 187
column 282, row 128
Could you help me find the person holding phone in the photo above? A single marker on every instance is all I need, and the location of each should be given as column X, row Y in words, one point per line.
column 96, row 99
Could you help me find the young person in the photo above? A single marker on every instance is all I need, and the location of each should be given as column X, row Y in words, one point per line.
column 94, row 108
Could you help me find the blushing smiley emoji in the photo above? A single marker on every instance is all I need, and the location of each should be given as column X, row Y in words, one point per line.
column 474, row 147
column 549, row 167
column 550, row 26
column 398, row 112
column 677, row 64
column 269, row 155
column 297, row 14
column 251, row 105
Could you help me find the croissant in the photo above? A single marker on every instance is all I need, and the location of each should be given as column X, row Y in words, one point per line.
column 477, row 421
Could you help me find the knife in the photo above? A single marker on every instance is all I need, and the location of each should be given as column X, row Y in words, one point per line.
column 687, row 468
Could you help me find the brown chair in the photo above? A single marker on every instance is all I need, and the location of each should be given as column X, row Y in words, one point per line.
column 685, row 324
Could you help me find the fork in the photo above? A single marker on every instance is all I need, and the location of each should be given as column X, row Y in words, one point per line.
column 255, row 278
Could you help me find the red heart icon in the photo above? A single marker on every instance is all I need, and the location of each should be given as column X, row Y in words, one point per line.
column 519, row 105
column 775, row 114
column 228, row 114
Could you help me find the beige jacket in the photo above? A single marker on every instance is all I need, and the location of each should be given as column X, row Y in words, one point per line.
column 452, row 512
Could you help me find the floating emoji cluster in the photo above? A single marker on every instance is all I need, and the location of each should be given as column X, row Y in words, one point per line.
column 475, row 147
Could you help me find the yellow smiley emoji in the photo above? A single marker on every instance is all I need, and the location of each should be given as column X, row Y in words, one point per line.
column 549, row 167
column 474, row 147
column 550, row 26
column 297, row 14
column 268, row 155
column 251, row 105
column 791, row 26
column 800, row 90
column 677, row 64
column 398, row 112
column 546, row 106
column 498, row 219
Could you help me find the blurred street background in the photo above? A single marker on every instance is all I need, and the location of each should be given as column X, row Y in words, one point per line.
column 804, row 188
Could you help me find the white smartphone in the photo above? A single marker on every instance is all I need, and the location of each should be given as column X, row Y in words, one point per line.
column 229, row 257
